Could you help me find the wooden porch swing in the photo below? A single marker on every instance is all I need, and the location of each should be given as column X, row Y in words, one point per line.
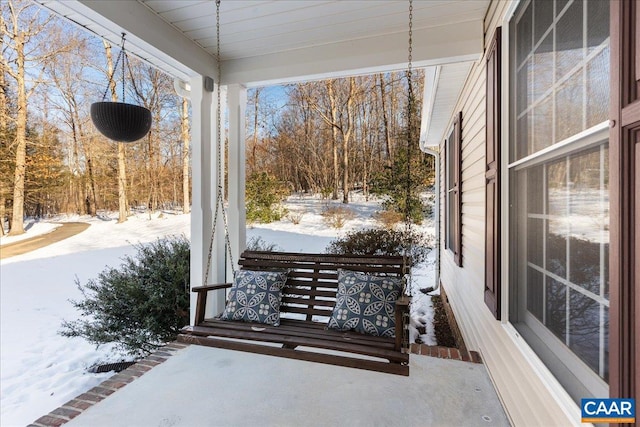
column 312, row 286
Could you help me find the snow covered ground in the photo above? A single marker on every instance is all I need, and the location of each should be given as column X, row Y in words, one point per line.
column 41, row 370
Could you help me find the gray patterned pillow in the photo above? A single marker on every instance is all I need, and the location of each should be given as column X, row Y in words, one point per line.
column 255, row 297
column 366, row 303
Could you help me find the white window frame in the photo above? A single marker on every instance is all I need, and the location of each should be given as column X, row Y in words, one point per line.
column 557, row 390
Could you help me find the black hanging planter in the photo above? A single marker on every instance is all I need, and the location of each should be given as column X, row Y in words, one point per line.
column 121, row 122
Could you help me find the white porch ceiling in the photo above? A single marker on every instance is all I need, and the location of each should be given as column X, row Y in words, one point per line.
column 266, row 42
column 277, row 41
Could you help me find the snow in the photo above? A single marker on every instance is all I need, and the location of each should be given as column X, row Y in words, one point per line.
column 40, row 370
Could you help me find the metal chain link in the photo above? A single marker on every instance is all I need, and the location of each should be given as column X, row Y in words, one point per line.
column 219, row 191
column 115, row 67
column 125, row 59
column 410, row 106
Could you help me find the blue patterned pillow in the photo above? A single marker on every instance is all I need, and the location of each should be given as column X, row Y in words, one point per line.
column 366, row 303
column 255, row 297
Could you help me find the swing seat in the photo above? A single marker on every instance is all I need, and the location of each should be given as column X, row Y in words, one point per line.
column 309, row 296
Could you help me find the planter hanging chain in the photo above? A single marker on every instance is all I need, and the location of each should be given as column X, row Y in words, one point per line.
column 120, row 55
column 219, row 192
column 119, row 121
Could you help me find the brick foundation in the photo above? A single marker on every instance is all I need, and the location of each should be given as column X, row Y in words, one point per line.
column 446, row 353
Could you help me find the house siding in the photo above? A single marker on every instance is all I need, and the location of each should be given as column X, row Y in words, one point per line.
column 530, row 394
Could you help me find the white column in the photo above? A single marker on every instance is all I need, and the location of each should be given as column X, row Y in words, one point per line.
column 216, row 300
column 201, row 110
column 203, row 175
column 237, row 103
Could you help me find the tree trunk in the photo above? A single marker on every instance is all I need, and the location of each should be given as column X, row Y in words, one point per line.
column 346, row 137
column 254, row 145
column 334, row 139
column 184, row 127
column 3, row 130
column 122, row 172
column 17, row 224
column 385, row 120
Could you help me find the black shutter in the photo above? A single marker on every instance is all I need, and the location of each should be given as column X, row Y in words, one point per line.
column 492, row 178
column 456, row 211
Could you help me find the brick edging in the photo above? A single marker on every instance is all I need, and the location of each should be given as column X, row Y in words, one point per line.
column 446, row 353
column 81, row 403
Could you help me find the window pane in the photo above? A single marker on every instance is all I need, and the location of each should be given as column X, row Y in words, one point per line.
column 598, row 88
column 535, row 242
column 535, row 190
column 569, row 107
column 556, row 303
column 598, row 23
column 535, row 293
column 525, row 87
column 556, row 260
column 543, row 125
column 560, row 4
column 584, row 328
column 543, row 16
column 524, row 35
column 569, row 51
column 586, row 219
column 543, row 67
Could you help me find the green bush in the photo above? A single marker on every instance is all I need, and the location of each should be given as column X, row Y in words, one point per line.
column 264, row 194
column 140, row 305
column 378, row 241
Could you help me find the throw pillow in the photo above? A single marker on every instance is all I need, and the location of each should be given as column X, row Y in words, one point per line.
column 255, row 297
column 366, row 303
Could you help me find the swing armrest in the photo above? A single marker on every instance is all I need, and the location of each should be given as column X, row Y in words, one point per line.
column 202, row 298
column 208, row 288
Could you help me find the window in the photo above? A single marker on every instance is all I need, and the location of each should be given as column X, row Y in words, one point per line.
column 453, row 238
column 559, row 189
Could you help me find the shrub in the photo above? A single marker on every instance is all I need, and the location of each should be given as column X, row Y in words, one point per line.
column 295, row 217
column 378, row 241
column 264, row 193
column 337, row 216
column 388, row 218
column 140, row 305
column 257, row 244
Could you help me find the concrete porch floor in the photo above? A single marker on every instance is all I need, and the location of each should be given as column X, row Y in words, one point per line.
column 202, row 386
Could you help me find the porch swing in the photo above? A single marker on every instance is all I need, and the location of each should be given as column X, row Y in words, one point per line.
column 345, row 310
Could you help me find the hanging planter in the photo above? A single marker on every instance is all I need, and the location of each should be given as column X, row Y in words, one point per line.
column 119, row 121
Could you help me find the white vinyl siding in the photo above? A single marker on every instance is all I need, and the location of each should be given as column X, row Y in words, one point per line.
column 535, row 398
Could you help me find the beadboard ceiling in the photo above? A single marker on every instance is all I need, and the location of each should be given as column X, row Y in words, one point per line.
column 278, row 41
column 252, row 27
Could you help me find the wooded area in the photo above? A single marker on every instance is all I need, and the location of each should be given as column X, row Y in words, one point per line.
column 330, row 137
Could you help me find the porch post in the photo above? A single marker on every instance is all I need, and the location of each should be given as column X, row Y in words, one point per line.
column 203, row 139
column 237, row 103
column 216, row 300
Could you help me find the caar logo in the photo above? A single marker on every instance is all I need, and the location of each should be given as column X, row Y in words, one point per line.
column 608, row 410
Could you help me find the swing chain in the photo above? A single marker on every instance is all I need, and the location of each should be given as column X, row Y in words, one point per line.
column 410, row 107
column 219, row 192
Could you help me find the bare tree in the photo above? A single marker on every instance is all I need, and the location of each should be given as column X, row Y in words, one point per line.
column 184, row 131
column 20, row 28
